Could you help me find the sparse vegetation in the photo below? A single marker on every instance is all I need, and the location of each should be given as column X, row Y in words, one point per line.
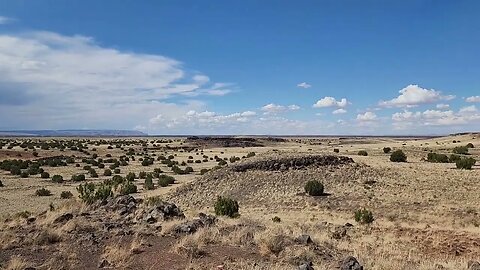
column 465, row 163
column 362, row 153
column 66, row 195
column 165, row 180
column 387, row 150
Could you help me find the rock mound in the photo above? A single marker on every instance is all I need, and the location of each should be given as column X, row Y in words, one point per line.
column 293, row 163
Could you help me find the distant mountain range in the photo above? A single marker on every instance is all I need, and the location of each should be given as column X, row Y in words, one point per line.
column 72, row 133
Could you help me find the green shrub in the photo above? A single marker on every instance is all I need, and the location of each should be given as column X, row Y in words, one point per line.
column 203, row 171
column 89, row 193
column 131, row 176
column 107, row 172
column 142, row 175
column 454, row 158
column 470, row 145
column 78, row 177
column 465, row 163
column 398, row 156
column 461, row 150
column 362, row 153
column 45, row 175
column 387, row 150
column 57, row 178
column 43, row 192
column 222, row 162
column 165, row 180
column 314, row 188
column 24, row 174
column 225, row 206
column 127, row 188
column 437, row 158
column 66, row 195
column 149, row 183
column 276, row 219
column 116, row 171
column 364, row 216
column 251, row 154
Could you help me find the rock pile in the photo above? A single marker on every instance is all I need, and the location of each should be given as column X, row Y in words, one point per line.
column 292, row 163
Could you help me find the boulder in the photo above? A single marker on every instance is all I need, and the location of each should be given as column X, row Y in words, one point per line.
column 306, row 266
column 304, row 239
column 192, row 226
column 350, row 263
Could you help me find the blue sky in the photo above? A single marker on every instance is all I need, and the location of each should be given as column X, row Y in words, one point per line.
column 241, row 67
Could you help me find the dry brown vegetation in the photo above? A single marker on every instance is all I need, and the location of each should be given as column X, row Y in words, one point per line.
column 426, row 215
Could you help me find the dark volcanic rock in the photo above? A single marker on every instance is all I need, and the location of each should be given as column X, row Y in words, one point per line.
column 159, row 212
column 192, row 226
column 350, row 263
column 294, row 163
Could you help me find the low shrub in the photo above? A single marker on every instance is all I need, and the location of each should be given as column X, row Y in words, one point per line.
column 398, row 156
column 314, row 188
column 66, row 195
column 364, row 216
column 362, row 153
column 43, row 192
column 437, row 158
column 165, row 180
column 89, row 193
column 45, row 175
column 276, row 219
column 107, row 172
column 57, row 178
column 461, row 150
column 78, row 177
column 336, row 150
column 454, row 158
column 203, row 171
column 465, row 163
column 131, row 176
column 127, row 188
column 225, row 206
column 387, row 150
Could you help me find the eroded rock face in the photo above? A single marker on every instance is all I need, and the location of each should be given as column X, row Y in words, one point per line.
column 293, row 163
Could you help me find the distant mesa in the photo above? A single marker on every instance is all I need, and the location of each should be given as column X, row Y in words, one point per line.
column 72, row 133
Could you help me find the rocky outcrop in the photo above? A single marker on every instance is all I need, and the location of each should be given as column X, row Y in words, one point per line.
column 292, row 163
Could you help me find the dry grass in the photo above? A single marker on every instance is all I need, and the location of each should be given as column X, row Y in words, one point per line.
column 16, row 263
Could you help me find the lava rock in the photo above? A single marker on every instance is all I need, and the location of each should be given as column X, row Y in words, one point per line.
column 63, row 218
column 304, row 239
column 306, row 266
column 350, row 263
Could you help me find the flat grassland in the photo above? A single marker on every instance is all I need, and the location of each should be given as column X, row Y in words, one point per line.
column 426, row 214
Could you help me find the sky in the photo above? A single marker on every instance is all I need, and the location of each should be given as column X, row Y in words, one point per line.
column 409, row 67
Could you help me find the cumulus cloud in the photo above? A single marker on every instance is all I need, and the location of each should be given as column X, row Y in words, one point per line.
column 275, row 108
column 339, row 111
column 473, row 99
column 414, row 95
column 464, row 116
column 304, row 85
column 67, row 81
column 327, row 102
column 366, row 117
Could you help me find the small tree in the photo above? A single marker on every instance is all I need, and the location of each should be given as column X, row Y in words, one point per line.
column 398, row 156
column 314, row 188
column 225, row 206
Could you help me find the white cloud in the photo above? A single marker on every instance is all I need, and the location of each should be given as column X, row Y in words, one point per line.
column 468, row 109
column 465, row 116
column 5, row 20
column 443, row 106
column 304, row 85
column 413, row 95
column 473, row 99
column 327, row 102
column 367, row 116
column 48, row 80
column 339, row 111
column 275, row 108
